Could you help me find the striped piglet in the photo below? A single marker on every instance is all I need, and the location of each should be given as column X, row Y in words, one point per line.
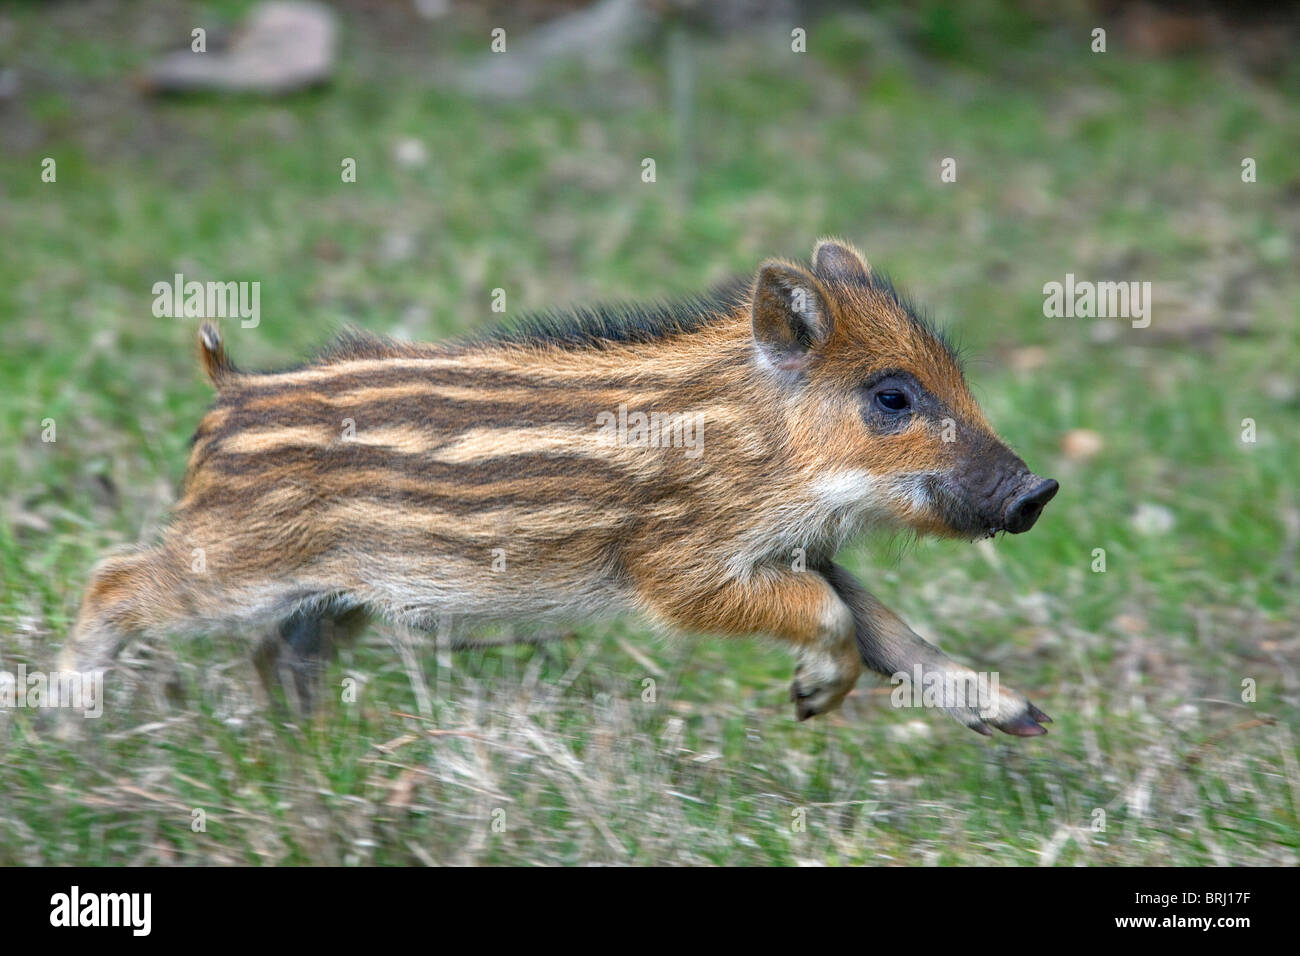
column 699, row 464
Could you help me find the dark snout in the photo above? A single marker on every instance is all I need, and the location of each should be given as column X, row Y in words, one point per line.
column 990, row 489
column 1027, row 505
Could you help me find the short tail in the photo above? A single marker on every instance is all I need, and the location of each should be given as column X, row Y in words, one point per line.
column 212, row 353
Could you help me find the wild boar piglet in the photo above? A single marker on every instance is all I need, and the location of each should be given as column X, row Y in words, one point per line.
column 698, row 464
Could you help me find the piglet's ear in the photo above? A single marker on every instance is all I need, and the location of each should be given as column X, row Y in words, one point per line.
column 836, row 261
column 791, row 321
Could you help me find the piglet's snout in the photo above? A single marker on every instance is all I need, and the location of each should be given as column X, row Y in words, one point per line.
column 1025, row 506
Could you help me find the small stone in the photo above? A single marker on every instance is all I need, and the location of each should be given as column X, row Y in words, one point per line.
column 280, row 47
column 1152, row 519
column 410, row 153
column 1028, row 358
column 1080, row 444
column 909, row 732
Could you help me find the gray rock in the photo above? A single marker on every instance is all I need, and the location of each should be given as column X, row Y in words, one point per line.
column 282, row 46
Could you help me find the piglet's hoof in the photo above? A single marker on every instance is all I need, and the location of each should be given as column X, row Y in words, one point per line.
column 812, row 698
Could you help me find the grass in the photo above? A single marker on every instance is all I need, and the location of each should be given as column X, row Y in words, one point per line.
column 1108, row 166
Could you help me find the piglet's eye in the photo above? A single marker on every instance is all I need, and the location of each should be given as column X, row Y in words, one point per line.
column 892, row 400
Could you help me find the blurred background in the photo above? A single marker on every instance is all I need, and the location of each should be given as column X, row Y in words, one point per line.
column 1172, row 673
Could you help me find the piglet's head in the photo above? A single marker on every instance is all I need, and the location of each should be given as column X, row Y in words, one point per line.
column 878, row 406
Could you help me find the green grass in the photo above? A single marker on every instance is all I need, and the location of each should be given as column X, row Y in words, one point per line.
column 1110, row 167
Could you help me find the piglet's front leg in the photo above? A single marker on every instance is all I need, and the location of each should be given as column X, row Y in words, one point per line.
column 799, row 608
column 890, row 647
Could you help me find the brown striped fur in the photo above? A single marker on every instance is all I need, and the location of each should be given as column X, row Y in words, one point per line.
column 383, row 477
